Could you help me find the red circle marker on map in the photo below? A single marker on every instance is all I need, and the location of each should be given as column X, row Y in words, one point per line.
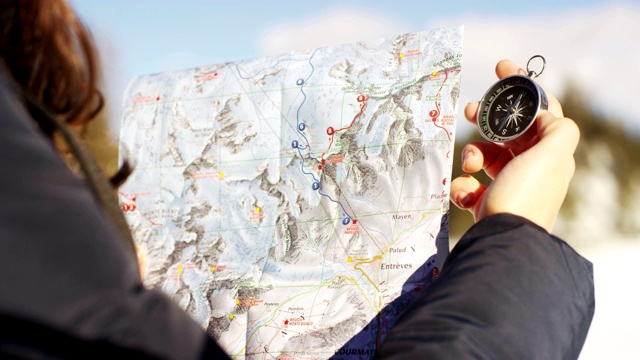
column 360, row 98
column 330, row 130
column 444, row 181
column 286, row 322
column 319, row 167
column 433, row 113
column 323, row 161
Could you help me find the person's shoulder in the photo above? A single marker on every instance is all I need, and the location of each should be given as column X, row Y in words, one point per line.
column 14, row 116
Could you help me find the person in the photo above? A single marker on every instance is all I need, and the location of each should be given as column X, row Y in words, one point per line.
column 509, row 289
column 70, row 286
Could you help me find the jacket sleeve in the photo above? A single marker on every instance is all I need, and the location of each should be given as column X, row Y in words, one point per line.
column 63, row 272
column 508, row 290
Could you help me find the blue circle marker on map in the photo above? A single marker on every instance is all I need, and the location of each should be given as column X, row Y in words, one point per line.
column 300, row 81
column 346, row 221
column 315, row 185
column 301, row 126
column 294, row 144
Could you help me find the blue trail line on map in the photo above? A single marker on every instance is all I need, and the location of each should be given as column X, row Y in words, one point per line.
column 316, row 182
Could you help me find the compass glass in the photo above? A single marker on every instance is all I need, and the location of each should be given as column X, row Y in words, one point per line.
column 509, row 108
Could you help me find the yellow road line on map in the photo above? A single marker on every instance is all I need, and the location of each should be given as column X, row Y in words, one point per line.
column 378, row 257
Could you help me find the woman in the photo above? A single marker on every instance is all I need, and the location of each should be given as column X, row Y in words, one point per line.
column 70, row 286
column 69, row 283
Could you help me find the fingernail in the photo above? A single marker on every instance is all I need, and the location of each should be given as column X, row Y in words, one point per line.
column 467, row 199
column 467, row 157
column 459, row 198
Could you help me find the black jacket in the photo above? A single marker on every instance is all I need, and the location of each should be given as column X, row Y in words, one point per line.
column 508, row 290
column 70, row 289
column 68, row 286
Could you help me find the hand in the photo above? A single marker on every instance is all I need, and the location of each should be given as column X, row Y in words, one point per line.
column 142, row 261
column 530, row 176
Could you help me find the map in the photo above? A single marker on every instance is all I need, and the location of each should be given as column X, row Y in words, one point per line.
column 295, row 204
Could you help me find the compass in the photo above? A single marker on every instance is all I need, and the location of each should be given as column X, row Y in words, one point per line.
column 509, row 108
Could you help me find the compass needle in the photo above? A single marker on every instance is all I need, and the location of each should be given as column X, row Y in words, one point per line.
column 504, row 121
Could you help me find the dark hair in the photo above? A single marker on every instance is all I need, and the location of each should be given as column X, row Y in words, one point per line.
column 50, row 54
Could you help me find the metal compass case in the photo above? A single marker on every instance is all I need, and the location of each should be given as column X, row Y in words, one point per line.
column 509, row 108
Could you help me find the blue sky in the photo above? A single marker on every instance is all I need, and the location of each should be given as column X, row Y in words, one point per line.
column 217, row 31
column 144, row 36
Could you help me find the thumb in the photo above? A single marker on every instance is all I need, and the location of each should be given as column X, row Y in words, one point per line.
column 560, row 133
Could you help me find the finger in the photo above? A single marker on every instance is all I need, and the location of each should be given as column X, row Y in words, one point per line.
column 554, row 105
column 142, row 261
column 523, row 142
column 485, row 155
column 472, row 158
column 559, row 137
column 471, row 111
column 506, row 68
column 466, row 192
column 563, row 132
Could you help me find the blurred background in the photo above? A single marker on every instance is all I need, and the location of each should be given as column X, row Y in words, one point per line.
column 592, row 56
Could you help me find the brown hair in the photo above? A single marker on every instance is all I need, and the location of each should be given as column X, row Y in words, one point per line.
column 50, row 54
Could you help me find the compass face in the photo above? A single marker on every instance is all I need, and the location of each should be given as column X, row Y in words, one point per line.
column 509, row 108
